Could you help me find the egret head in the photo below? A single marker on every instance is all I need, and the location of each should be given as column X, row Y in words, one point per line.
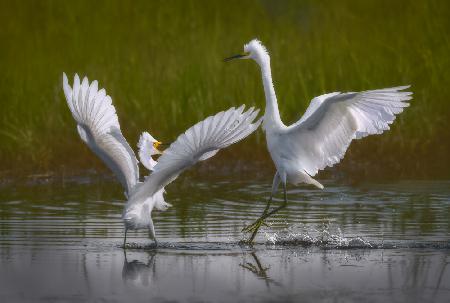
column 151, row 144
column 253, row 50
column 148, row 147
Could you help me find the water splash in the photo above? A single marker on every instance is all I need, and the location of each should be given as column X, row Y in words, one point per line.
column 328, row 235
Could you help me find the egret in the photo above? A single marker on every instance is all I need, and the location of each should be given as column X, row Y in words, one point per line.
column 323, row 134
column 98, row 126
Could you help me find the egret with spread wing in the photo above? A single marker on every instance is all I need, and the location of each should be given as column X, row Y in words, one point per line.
column 98, row 126
column 322, row 136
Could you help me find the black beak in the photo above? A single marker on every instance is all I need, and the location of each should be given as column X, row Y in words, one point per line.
column 166, row 144
column 234, row 57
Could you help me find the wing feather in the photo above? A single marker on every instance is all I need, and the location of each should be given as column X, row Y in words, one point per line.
column 198, row 143
column 99, row 128
column 322, row 136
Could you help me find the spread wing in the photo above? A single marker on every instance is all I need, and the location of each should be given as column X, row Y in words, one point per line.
column 98, row 126
column 198, row 143
column 321, row 137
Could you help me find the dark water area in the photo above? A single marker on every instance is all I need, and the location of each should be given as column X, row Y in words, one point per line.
column 61, row 241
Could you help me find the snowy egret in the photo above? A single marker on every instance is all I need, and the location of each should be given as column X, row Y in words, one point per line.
column 98, row 126
column 323, row 134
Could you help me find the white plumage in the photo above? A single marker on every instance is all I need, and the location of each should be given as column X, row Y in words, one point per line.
column 198, row 143
column 322, row 136
column 99, row 128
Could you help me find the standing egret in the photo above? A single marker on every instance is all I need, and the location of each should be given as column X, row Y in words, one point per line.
column 98, row 126
column 323, row 134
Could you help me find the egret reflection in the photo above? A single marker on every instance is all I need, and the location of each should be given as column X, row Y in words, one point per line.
column 139, row 270
column 258, row 269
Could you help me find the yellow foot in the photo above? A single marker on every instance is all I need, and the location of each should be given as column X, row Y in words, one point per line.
column 254, row 226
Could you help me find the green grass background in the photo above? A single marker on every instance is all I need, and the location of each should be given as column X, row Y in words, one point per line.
column 161, row 61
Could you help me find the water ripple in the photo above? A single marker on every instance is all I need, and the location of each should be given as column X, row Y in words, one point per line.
column 403, row 214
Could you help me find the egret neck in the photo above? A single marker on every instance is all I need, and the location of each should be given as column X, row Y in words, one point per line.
column 272, row 115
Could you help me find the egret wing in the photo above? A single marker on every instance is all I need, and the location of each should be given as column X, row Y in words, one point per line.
column 198, row 143
column 321, row 137
column 98, row 126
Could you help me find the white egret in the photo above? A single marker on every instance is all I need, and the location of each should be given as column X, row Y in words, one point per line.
column 323, row 134
column 98, row 126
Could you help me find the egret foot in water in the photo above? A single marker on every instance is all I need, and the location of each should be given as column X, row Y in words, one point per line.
column 254, row 227
column 260, row 221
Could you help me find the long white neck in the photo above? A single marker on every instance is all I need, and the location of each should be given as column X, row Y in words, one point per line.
column 272, row 115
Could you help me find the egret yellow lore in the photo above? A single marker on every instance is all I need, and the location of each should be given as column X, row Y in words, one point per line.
column 323, row 134
column 98, row 126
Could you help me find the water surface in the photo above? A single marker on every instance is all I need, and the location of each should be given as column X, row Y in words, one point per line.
column 61, row 241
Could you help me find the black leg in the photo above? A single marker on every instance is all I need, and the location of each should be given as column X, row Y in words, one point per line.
column 275, row 184
column 265, row 216
column 257, row 221
column 282, row 205
column 125, row 238
column 268, row 204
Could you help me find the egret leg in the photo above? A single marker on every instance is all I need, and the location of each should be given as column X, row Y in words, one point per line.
column 281, row 206
column 151, row 235
column 250, row 227
column 275, row 184
column 125, row 238
column 265, row 216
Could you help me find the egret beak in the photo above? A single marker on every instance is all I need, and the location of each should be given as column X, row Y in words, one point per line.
column 239, row 56
column 156, row 144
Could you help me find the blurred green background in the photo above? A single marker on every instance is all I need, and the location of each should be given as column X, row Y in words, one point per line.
column 161, row 61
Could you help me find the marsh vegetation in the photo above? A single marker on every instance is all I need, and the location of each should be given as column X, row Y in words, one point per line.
column 162, row 64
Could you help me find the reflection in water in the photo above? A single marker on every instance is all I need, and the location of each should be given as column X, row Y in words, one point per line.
column 136, row 269
column 394, row 274
column 258, row 269
column 207, row 273
column 441, row 277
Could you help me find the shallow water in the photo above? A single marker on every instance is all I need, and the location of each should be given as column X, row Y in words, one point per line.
column 61, row 241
